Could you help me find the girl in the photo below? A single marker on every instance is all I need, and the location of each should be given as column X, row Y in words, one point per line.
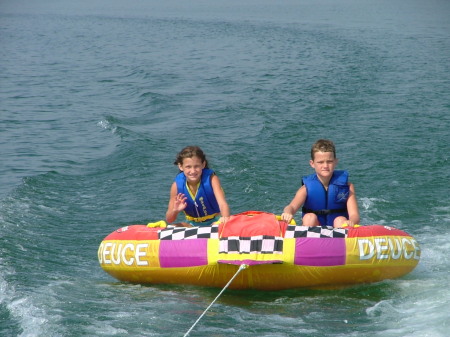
column 196, row 191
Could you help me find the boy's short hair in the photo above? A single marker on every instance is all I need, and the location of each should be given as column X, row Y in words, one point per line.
column 323, row 145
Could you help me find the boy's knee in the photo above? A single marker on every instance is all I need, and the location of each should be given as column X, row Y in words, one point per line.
column 310, row 220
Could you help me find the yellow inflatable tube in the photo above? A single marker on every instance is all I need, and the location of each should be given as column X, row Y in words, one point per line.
column 279, row 256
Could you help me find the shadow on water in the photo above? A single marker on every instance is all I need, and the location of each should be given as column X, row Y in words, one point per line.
column 374, row 292
column 341, row 309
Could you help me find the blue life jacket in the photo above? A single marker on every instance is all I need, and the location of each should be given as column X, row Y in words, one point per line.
column 327, row 204
column 204, row 206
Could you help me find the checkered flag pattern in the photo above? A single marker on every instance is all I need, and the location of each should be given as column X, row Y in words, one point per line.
column 212, row 232
column 182, row 233
column 314, row 232
column 262, row 244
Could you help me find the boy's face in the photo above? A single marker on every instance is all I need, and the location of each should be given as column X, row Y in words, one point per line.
column 324, row 164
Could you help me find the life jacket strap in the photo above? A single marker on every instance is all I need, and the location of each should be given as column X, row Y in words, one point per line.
column 201, row 219
column 324, row 211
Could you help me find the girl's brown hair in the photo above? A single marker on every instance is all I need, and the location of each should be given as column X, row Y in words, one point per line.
column 189, row 152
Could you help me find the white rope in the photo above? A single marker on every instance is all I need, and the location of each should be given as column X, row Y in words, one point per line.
column 243, row 266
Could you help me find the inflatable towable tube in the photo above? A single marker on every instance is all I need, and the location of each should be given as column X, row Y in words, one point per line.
column 279, row 255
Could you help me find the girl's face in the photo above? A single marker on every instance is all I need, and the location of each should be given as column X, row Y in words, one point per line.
column 192, row 169
column 324, row 164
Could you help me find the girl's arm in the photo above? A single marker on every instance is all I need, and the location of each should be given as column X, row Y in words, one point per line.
column 220, row 197
column 177, row 203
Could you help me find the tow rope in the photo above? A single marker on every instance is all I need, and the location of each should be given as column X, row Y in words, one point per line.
column 242, row 267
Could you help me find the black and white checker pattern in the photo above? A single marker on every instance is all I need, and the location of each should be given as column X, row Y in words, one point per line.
column 212, row 232
column 314, row 232
column 182, row 233
column 263, row 244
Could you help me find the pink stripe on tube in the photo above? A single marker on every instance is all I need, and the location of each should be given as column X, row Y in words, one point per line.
column 183, row 253
column 320, row 252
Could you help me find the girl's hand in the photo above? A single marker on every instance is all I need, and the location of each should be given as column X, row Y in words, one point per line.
column 224, row 219
column 179, row 203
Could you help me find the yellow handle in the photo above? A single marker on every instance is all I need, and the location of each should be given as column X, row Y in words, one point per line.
column 160, row 223
column 346, row 225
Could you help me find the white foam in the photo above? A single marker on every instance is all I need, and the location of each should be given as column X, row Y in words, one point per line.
column 104, row 124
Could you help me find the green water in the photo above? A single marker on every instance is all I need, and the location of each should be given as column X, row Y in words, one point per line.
column 96, row 100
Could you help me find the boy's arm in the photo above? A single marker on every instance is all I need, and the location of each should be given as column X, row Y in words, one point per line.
column 352, row 206
column 294, row 205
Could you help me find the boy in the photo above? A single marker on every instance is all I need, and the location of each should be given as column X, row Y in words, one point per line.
column 328, row 199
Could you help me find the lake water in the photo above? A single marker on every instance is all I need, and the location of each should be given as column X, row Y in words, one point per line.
column 97, row 97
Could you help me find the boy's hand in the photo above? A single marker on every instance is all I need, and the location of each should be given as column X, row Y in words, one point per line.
column 287, row 217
